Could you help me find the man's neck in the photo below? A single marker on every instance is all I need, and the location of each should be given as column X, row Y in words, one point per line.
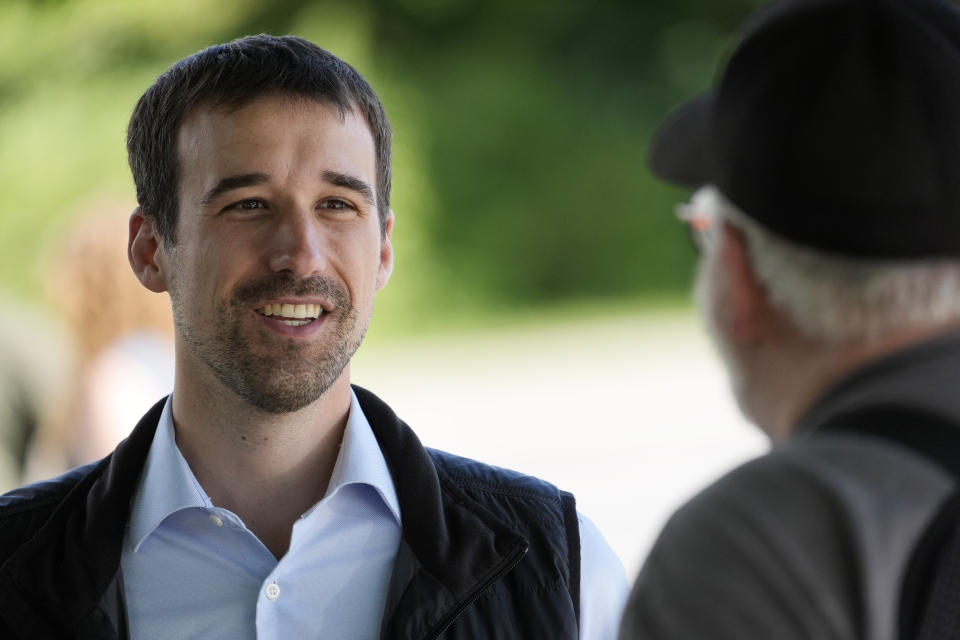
column 798, row 377
column 267, row 468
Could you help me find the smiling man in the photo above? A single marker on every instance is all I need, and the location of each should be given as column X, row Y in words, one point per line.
column 266, row 496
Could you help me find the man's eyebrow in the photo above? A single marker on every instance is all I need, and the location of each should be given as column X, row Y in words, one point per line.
column 350, row 182
column 233, row 182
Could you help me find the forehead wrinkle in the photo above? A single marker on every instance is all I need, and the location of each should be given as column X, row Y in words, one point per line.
column 202, row 131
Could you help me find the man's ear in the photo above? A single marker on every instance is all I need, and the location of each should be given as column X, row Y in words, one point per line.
column 145, row 253
column 386, row 253
column 747, row 298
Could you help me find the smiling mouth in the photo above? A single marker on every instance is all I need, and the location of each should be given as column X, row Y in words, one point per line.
column 292, row 315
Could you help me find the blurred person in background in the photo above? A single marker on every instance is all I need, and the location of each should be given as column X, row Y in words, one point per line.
column 122, row 339
column 34, row 371
column 266, row 496
column 829, row 219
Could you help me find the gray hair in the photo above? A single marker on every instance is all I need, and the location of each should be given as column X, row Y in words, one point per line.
column 837, row 298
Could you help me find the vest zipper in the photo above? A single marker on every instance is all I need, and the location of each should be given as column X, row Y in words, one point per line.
column 511, row 562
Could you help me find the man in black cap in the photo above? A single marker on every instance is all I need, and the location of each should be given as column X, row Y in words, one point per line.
column 827, row 162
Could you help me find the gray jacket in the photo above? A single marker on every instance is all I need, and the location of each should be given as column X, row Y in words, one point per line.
column 813, row 540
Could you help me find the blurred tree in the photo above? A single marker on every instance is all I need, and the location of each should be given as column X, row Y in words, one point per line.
column 538, row 115
column 521, row 128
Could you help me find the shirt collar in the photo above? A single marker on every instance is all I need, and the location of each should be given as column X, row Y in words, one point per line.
column 167, row 484
column 361, row 461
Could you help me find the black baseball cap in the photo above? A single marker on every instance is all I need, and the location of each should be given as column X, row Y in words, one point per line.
column 836, row 124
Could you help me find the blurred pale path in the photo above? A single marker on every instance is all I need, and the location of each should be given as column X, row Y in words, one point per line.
column 632, row 413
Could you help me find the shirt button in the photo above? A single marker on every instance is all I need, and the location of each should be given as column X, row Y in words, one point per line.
column 273, row 591
column 216, row 520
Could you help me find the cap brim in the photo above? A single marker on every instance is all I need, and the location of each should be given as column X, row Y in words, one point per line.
column 682, row 148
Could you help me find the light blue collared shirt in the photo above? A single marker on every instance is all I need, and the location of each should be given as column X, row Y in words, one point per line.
column 192, row 569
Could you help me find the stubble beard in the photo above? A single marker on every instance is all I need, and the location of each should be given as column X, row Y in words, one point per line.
column 283, row 376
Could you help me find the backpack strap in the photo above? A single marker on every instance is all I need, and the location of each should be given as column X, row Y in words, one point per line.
column 930, row 591
column 934, row 436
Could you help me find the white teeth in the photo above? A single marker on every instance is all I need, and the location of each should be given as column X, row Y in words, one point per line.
column 296, row 323
column 310, row 311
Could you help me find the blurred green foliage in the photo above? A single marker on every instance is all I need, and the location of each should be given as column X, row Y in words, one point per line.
column 520, row 131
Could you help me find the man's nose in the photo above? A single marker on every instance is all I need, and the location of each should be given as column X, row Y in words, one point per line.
column 297, row 244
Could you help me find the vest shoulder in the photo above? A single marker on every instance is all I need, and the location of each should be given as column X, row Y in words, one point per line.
column 42, row 495
column 24, row 511
column 535, row 599
column 479, row 476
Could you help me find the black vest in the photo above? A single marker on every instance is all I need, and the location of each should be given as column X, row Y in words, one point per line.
column 486, row 552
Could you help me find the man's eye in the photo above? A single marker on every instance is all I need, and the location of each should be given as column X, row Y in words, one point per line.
column 336, row 203
column 247, row 204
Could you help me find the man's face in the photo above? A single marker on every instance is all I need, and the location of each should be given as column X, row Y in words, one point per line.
column 279, row 251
